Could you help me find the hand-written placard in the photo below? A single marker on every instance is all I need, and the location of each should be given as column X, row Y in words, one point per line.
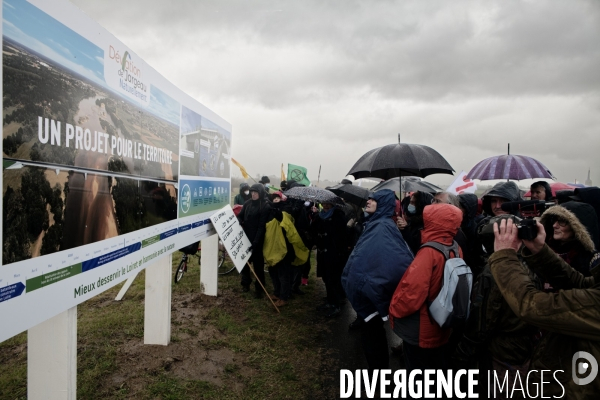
column 232, row 235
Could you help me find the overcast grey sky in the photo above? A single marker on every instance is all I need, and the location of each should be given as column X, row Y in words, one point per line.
column 322, row 82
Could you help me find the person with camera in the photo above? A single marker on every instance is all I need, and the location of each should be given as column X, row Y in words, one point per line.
column 500, row 193
column 495, row 339
column 569, row 318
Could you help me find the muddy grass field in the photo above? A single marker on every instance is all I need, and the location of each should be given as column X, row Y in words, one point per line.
column 232, row 346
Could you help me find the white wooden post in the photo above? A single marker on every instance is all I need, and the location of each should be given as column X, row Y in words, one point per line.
column 157, row 311
column 209, row 271
column 52, row 358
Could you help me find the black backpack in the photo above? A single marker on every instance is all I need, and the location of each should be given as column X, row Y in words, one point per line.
column 471, row 351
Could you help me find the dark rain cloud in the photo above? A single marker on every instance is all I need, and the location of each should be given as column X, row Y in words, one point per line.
column 465, row 76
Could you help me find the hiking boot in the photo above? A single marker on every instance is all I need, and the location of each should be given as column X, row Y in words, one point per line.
column 273, row 297
column 280, row 303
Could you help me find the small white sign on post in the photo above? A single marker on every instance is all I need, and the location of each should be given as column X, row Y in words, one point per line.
column 232, row 235
column 462, row 185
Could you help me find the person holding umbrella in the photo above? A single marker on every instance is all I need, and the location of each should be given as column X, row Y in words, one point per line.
column 328, row 228
column 412, row 226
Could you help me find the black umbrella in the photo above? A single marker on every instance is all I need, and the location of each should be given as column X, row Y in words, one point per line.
column 352, row 194
column 314, row 194
column 401, row 159
column 409, row 184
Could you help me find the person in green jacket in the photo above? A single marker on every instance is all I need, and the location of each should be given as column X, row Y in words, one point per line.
column 569, row 318
column 244, row 194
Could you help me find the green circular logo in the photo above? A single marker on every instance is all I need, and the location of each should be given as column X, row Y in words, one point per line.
column 296, row 175
column 185, row 199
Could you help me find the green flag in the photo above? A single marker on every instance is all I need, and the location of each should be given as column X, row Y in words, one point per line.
column 298, row 174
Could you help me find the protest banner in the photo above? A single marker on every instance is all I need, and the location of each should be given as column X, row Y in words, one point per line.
column 232, row 235
column 462, row 185
column 236, row 242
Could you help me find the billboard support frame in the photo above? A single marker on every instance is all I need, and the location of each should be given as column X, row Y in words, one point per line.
column 52, row 357
column 157, row 304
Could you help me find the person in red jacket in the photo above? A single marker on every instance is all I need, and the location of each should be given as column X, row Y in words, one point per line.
column 423, row 339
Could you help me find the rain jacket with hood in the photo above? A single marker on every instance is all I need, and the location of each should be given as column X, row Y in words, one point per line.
column 241, row 198
column 578, row 251
column 254, row 216
column 282, row 241
column 377, row 262
column 423, row 280
column 570, row 317
column 507, row 190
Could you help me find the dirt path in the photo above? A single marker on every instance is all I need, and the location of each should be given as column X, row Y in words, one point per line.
column 37, row 245
column 89, row 214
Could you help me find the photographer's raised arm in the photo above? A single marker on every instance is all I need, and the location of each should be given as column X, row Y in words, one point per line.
column 572, row 312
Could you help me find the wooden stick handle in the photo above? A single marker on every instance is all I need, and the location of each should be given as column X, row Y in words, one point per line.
column 261, row 285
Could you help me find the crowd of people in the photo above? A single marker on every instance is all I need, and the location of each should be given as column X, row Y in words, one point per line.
column 534, row 299
column 282, row 232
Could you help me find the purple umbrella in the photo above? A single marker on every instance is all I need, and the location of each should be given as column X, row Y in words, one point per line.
column 509, row 166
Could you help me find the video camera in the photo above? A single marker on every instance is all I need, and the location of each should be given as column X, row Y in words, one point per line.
column 527, row 209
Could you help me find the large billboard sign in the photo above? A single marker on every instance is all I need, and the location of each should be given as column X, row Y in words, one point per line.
column 106, row 165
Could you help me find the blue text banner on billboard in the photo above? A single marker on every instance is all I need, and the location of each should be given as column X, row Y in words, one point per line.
column 197, row 197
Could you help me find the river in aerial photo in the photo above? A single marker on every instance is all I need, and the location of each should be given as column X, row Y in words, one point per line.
column 89, row 212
